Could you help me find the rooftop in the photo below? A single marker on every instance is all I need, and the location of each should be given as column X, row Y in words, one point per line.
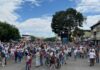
column 95, row 25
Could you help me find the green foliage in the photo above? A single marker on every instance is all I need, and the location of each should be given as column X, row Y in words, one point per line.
column 78, row 32
column 66, row 21
column 52, row 39
column 8, row 32
column 33, row 38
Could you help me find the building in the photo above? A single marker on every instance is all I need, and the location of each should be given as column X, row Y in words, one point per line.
column 26, row 37
column 96, row 33
column 87, row 34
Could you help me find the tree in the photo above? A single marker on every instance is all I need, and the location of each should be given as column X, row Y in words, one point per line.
column 78, row 32
column 8, row 32
column 52, row 39
column 67, row 21
column 33, row 38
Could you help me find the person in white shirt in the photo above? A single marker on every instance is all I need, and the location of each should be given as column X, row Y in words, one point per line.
column 37, row 58
column 69, row 51
column 75, row 53
column 92, row 56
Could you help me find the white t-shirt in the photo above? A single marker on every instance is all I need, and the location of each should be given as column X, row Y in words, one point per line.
column 66, row 51
column 12, row 50
column 69, row 49
column 92, row 55
column 6, row 49
column 28, row 58
column 75, row 51
column 51, row 53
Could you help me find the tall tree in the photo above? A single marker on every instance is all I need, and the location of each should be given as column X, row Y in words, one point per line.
column 66, row 21
column 8, row 32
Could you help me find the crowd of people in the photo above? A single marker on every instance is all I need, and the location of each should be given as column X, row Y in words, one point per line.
column 51, row 54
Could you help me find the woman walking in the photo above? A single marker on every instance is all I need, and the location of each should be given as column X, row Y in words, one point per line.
column 28, row 61
column 52, row 61
column 38, row 58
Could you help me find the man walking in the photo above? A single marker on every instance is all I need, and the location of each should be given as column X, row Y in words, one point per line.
column 92, row 56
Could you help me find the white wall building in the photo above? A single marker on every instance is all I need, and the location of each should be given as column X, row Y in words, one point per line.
column 96, row 32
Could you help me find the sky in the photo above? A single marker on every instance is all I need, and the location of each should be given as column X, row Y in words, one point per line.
column 33, row 17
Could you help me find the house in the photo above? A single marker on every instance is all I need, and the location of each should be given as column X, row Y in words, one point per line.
column 96, row 33
column 26, row 37
column 87, row 35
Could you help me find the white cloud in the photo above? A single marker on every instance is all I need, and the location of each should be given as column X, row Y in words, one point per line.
column 41, row 26
column 34, row 26
column 8, row 7
column 91, row 20
column 34, row 2
column 87, row 6
column 37, row 26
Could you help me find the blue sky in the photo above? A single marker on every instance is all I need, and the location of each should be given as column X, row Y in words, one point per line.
column 34, row 17
column 47, row 7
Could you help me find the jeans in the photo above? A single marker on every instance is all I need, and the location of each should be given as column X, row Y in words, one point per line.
column 3, row 62
column 41, row 60
column 75, row 57
column 20, row 58
column 64, row 40
column 27, row 66
column 16, row 57
column 92, row 61
column 62, row 60
column 97, row 59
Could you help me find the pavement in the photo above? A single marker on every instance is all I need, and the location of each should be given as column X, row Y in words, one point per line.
column 79, row 64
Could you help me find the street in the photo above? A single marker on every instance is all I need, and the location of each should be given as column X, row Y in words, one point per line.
column 79, row 64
